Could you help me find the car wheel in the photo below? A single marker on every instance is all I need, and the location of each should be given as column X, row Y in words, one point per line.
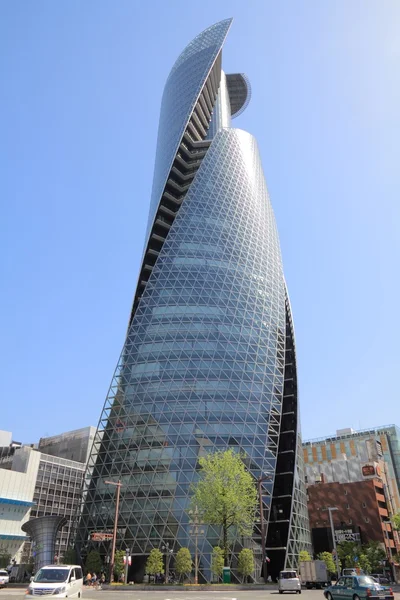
column 328, row 596
column 281, row 591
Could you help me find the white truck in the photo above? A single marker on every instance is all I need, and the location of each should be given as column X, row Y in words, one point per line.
column 313, row 573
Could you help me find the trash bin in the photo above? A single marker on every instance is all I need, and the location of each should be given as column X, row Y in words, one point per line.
column 226, row 575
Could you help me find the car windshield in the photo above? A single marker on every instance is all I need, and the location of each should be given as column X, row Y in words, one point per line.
column 51, row 575
column 366, row 581
column 288, row 575
column 3, row 574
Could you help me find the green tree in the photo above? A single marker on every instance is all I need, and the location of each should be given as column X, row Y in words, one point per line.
column 396, row 521
column 217, row 561
column 374, row 554
column 155, row 562
column 246, row 563
column 347, row 553
column 183, row 562
column 226, row 494
column 70, row 557
column 119, row 564
column 329, row 561
column 5, row 559
column 93, row 562
column 364, row 563
column 304, row 555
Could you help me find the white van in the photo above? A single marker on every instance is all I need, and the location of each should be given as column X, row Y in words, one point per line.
column 289, row 582
column 59, row 581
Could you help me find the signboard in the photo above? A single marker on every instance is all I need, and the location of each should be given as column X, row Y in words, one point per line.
column 368, row 470
column 101, row 536
column 346, row 535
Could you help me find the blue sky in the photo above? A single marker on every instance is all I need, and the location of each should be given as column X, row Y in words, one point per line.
column 80, row 98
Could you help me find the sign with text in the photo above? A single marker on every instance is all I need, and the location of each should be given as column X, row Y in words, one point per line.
column 101, row 536
column 346, row 535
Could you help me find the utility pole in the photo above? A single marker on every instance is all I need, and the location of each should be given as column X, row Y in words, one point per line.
column 330, row 509
column 127, row 552
column 262, row 524
column 168, row 553
column 195, row 531
column 114, row 541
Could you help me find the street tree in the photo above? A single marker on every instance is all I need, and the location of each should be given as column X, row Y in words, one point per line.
column 119, row 564
column 246, row 563
column 364, row 563
column 304, row 555
column 5, row 559
column 69, row 557
column 155, row 562
column 183, row 563
column 226, row 495
column 93, row 562
column 217, row 561
column 375, row 554
column 348, row 553
column 329, row 561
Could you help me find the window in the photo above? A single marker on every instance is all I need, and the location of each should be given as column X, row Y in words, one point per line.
column 366, row 520
column 364, row 505
column 347, row 506
column 345, row 492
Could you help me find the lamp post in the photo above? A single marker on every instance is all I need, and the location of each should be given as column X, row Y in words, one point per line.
column 114, row 541
column 330, row 510
column 262, row 525
column 195, row 531
column 168, row 553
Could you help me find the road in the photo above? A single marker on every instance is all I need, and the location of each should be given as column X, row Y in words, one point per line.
column 18, row 594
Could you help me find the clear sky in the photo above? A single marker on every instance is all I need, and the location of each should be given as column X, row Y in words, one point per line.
column 80, row 92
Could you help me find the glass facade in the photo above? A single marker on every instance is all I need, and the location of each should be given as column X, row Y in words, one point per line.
column 209, row 360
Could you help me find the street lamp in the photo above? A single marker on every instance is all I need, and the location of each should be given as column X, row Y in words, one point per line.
column 262, row 525
column 114, row 541
column 168, row 553
column 330, row 509
column 195, row 531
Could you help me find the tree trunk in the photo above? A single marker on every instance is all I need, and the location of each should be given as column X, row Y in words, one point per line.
column 226, row 550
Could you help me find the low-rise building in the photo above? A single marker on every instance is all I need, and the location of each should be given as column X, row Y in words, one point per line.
column 41, row 481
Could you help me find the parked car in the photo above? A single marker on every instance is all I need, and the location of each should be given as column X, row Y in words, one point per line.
column 4, row 578
column 289, row 582
column 353, row 571
column 382, row 579
column 360, row 587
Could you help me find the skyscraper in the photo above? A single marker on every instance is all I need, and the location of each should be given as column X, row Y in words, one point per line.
column 209, row 359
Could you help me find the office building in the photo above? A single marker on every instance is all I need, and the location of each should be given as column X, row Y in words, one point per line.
column 36, row 484
column 209, row 358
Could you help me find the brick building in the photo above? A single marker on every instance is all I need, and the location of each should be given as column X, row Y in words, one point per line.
column 362, row 514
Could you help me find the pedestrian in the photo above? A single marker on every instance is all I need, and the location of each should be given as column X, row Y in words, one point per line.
column 88, row 578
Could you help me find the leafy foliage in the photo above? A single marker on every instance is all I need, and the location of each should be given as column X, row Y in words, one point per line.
column 374, row 554
column 183, row 562
column 69, row 557
column 364, row 563
column 367, row 557
column 5, row 559
column 396, row 521
column 329, row 561
column 304, row 555
column 118, row 564
column 217, row 561
column 226, row 494
column 93, row 562
column 246, row 563
column 155, row 563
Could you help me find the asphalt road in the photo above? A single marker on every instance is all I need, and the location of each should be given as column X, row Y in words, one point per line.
column 18, row 594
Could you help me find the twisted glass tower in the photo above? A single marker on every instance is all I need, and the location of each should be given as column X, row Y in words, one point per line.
column 209, row 358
